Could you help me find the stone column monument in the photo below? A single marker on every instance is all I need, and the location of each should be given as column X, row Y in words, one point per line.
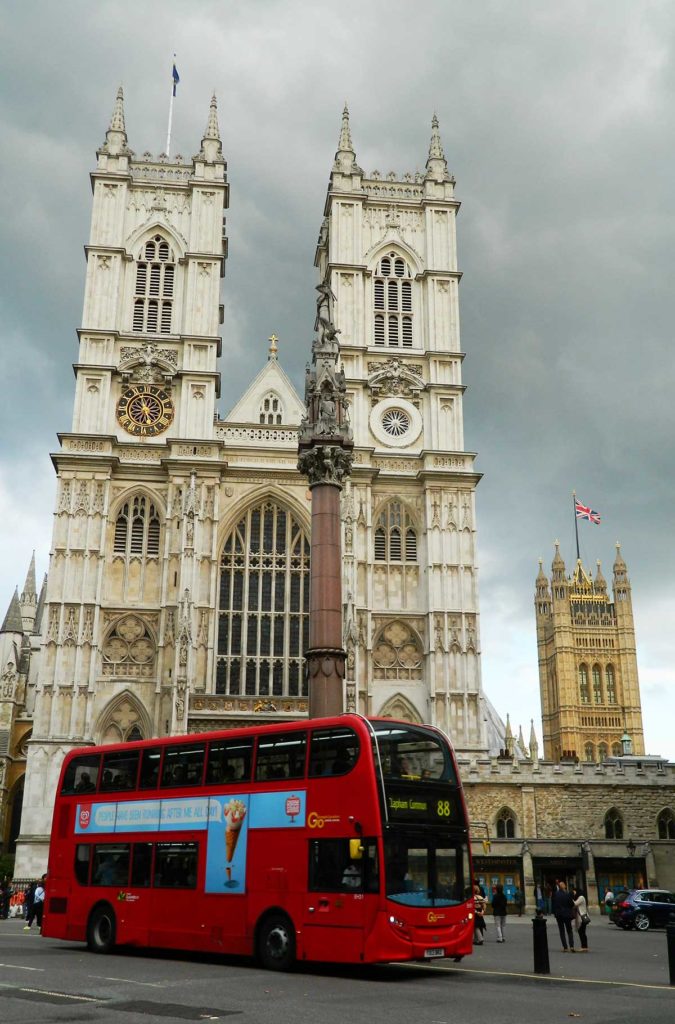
column 325, row 457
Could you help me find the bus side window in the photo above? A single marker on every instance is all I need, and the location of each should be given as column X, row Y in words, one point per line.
column 82, row 774
column 183, row 765
column 333, row 751
column 120, row 770
column 331, row 868
column 111, row 864
column 229, row 761
column 82, row 859
column 150, row 768
column 281, row 756
column 141, row 865
column 176, row 866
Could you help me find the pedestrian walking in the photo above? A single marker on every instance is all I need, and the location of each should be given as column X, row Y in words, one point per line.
column 479, row 904
column 582, row 918
column 29, row 904
column 499, row 911
column 538, row 897
column 39, row 901
column 564, row 911
column 609, row 901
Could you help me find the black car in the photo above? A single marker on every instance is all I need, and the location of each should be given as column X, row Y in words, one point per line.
column 643, row 909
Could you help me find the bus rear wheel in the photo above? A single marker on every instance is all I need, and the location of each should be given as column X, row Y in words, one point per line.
column 101, row 930
column 276, row 943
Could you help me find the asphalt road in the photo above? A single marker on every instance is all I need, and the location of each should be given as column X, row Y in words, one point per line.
column 624, row 978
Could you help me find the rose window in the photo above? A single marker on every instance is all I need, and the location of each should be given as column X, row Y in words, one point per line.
column 129, row 649
column 398, row 653
column 396, row 422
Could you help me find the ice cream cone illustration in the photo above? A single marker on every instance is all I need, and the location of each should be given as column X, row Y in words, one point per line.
column 235, row 812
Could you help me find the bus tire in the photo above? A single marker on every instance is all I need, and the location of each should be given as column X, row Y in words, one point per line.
column 275, row 944
column 101, row 929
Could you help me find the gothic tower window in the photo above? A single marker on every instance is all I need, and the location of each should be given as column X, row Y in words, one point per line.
column 137, row 529
column 153, row 288
column 597, row 685
column 397, row 653
column 263, row 612
column 613, row 824
column 506, row 824
column 392, row 295
column 395, row 535
column 129, row 650
column 616, row 749
column 603, row 752
column 589, row 752
column 665, row 824
column 610, row 682
column 271, row 409
column 584, row 692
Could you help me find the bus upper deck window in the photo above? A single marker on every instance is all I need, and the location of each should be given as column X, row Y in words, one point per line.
column 150, row 768
column 82, row 774
column 333, row 751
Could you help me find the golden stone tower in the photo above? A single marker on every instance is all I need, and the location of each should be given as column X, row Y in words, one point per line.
column 588, row 676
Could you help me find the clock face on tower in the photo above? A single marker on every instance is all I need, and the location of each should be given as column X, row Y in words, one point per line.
column 144, row 410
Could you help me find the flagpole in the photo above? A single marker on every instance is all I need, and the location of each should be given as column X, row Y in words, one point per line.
column 576, row 522
column 173, row 93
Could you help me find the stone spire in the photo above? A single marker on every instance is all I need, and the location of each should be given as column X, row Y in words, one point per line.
column 212, row 147
column 116, row 136
column 521, row 741
column 29, row 598
column 437, row 165
column 508, row 736
column 600, row 581
column 13, row 623
column 273, row 349
column 558, row 565
column 619, row 564
column 534, row 746
column 42, row 599
column 345, row 157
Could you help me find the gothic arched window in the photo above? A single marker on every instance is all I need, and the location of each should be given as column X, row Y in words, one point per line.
column 395, row 535
column 392, row 301
column 613, row 824
column 153, row 288
column 584, row 692
column 603, row 752
column 506, row 824
column 665, row 824
column 610, row 682
column 263, row 608
column 271, row 409
column 589, row 752
column 597, row 685
column 616, row 749
column 137, row 529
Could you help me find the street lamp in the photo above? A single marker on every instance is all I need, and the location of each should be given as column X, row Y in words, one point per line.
column 630, row 846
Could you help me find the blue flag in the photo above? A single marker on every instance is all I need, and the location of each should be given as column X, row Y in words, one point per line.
column 176, row 78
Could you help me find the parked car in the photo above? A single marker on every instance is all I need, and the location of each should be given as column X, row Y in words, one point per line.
column 643, row 909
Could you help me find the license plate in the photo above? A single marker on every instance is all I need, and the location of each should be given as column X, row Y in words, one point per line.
column 430, row 953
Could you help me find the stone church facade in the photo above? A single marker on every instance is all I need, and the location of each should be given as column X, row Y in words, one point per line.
column 177, row 593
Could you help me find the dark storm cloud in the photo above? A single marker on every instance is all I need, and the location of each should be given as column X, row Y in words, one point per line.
column 557, row 121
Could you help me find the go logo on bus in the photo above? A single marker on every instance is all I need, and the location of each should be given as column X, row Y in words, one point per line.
column 434, row 918
column 315, row 820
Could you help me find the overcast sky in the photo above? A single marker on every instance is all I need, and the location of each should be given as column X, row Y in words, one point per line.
column 558, row 122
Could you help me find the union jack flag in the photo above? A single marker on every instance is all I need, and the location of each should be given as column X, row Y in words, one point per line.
column 586, row 512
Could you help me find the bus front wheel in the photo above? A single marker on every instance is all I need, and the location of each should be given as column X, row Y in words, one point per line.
column 276, row 943
column 101, row 930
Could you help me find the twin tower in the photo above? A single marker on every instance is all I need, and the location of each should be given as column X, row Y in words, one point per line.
column 178, row 589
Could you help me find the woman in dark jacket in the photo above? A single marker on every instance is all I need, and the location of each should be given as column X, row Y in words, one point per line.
column 499, row 911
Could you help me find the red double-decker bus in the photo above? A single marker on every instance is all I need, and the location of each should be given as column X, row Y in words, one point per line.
column 342, row 839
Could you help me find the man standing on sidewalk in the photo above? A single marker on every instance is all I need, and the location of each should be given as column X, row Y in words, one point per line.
column 564, row 911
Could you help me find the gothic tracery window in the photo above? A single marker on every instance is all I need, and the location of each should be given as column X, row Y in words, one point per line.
column 137, row 529
column 603, row 752
column 397, row 653
column 611, row 684
column 597, row 685
column 613, row 824
column 589, row 752
column 263, row 613
column 271, row 409
column 665, row 824
column 506, row 824
column 584, row 692
column 395, row 535
column 129, row 650
column 153, row 287
column 392, row 300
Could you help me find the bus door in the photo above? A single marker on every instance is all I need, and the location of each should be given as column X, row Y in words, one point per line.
column 340, row 905
column 175, row 920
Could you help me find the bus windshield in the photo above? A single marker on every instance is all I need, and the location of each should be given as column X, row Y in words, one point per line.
column 411, row 753
column 424, row 870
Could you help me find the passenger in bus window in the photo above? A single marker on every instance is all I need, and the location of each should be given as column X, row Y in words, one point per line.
column 85, row 785
column 342, row 762
column 351, row 877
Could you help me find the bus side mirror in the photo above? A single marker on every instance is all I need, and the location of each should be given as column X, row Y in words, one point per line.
column 355, row 849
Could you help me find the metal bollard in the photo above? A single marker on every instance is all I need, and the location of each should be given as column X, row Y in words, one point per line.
column 540, row 944
column 670, row 937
